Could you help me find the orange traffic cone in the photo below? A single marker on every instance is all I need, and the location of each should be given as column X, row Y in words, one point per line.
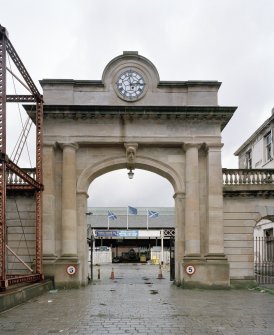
column 112, row 274
column 160, row 274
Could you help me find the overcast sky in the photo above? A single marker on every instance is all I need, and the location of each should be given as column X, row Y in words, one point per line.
column 231, row 41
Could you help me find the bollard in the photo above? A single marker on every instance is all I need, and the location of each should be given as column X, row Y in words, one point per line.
column 160, row 274
column 99, row 275
column 112, row 274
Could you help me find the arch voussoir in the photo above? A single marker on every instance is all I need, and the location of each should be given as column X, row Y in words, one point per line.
column 119, row 162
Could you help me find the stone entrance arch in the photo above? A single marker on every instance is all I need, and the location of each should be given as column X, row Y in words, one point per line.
column 115, row 163
column 132, row 119
column 145, row 163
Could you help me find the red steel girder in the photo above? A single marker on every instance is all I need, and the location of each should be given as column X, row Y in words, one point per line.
column 22, row 174
column 15, row 187
column 39, row 179
column 2, row 153
column 39, row 142
column 20, row 66
column 20, row 98
column 5, row 163
column 17, row 279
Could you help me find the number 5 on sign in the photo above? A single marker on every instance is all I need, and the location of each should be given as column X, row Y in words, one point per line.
column 190, row 269
column 71, row 270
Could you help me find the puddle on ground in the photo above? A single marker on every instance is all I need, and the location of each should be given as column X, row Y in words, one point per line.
column 153, row 291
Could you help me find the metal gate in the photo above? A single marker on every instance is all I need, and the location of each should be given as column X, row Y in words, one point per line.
column 172, row 258
column 264, row 260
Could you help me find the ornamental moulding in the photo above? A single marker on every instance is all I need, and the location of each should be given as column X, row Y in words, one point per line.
column 221, row 115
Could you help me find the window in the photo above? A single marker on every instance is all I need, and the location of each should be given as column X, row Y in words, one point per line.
column 268, row 146
column 248, row 159
column 268, row 232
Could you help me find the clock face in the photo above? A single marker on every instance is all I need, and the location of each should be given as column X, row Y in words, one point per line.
column 130, row 85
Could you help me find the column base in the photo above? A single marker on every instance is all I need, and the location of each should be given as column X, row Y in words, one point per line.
column 58, row 270
column 47, row 258
column 210, row 272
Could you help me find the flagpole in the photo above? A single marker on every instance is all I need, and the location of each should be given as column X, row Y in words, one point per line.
column 127, row 217
column 147, row 218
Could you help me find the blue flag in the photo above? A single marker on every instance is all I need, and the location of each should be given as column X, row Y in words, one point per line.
column 132, row 210
column 111, row 215
column 152, row 214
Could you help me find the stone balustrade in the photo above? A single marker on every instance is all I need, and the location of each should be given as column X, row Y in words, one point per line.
column 14, row 180
column 236, row 177
column 230, row 176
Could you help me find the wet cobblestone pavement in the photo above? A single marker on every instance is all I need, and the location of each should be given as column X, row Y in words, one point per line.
column 136, row 302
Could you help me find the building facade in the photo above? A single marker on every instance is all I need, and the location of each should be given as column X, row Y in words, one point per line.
column 257, row 151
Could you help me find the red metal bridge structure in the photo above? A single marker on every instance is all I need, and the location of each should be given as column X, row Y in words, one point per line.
column 8, row 166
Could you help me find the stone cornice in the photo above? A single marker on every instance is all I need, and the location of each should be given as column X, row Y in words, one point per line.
column 250, row 191
column 71, row 82
column 99, row 83
column 190, row 83
column 218, row 114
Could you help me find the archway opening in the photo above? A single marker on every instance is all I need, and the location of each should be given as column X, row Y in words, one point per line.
column 131, row 220
column 116, row 189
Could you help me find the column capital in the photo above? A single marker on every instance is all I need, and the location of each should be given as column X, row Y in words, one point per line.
column 83, row 194
column 64, row 145
column 179, row 195
column 187, row 146
column 213, row 146
column 52, row 144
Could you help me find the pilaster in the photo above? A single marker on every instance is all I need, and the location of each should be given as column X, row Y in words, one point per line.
column 69, row 222
column 179, row 233
column 215, row 201
column 192, row 201
column 49, row 215
column 83, row 249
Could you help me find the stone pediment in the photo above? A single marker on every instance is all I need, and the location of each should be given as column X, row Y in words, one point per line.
column 130, row 79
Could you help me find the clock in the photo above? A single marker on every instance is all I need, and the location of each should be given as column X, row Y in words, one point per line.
column 130, row 85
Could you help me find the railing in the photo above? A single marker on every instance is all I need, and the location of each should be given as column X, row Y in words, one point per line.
column 264, row 260
column 14, row 180
column 248, row 176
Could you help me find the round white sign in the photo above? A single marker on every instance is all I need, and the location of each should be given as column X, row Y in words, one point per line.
column 71, row 270
column 190, row 269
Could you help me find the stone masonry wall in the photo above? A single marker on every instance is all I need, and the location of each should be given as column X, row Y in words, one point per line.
column 21, row 231
column 240, row 217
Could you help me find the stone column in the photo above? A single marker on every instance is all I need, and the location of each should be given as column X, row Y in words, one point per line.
column 69, row 222
column 83, row 249
column 215, row 201
column 49, row 251
column 192, row 210
column 179, row 233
